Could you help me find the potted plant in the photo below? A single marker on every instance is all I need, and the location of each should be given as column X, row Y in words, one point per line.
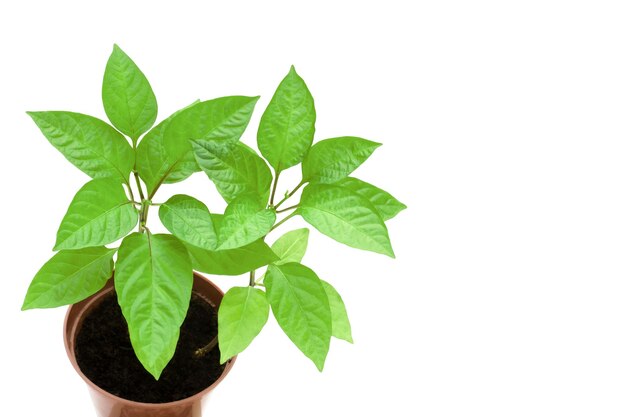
column 158, row 336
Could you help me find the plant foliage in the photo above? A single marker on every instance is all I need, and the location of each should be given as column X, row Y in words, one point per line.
column 130, row 159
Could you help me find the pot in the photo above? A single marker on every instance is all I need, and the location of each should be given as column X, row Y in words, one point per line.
column 109, row 405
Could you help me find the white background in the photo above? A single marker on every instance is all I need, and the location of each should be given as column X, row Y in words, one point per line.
column 504, row 131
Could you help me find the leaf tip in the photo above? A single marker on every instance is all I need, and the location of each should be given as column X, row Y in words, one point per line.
column 33, row 114
column 156, row 374
column 224, row 358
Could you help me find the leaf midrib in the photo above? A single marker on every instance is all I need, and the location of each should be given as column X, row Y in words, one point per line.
column 103, row 156
column 298, row 302
column 293, row 244
column 92, row 220
column 238, row 326
column 234, row 232
column 200, row 235
column 347, row 223
column 80, row 270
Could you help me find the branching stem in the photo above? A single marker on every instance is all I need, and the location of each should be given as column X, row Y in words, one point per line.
column 274, row 188
column 136, row 175
column 291, row 193
column 288, row 208
column 283, row 220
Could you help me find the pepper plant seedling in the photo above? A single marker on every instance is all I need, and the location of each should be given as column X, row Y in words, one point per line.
column 131, row 159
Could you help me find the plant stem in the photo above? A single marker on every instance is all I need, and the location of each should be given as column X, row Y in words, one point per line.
column 274, row 188
column 288, row 208
column 289, row 194
column 138, row 185
column 130, row 191
column 200, row 352
column 283, row 221
column 206, row 348
column 143, row 215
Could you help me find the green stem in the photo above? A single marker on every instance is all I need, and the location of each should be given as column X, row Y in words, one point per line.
column 289, row 194
column 130, row 191
column 283, row 221
column 138, row 185
column 274, row 188
column 252, row 273
column 143, row 215
column 288, row 208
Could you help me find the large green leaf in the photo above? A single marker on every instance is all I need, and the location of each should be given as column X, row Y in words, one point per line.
column 341, row 323
column 153, row 281
column 291, row 246
column 69, row 277
column 127, row 96
column 331, row 160
column 232, row 261
column 89, row 143
column 243, row 313
column 234, row 168
column 223, row 119
column 301, row 308
column 100, row 213
column 154, row 165
column 345, row 216
column 386, row 204
column 287, row 126
column 245, row 220
column 189, row 220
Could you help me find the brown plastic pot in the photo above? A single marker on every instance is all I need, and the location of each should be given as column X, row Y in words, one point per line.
column 109, row 405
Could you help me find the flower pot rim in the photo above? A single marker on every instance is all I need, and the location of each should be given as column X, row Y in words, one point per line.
column 86, row 306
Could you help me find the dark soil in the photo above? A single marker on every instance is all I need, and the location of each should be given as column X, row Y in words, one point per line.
column 106, row 357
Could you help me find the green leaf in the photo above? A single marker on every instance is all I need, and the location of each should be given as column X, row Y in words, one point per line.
column 287, row 126
column 189, row 220
column 291, row 246
column 100, row 213
column 245, row 220
column 234, row 168
column 301, row 308
column 90, row 144
column 223, row 119
column 232, row 261
column 154, row 165
column 70, row 276
column 331, row 160
column 341, row 323
column 153, row 281
column 345, row 216
column 127, row 96
column 386, row 204
column 243, row 313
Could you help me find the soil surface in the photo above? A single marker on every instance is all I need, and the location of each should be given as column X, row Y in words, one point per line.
column 106, row 357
